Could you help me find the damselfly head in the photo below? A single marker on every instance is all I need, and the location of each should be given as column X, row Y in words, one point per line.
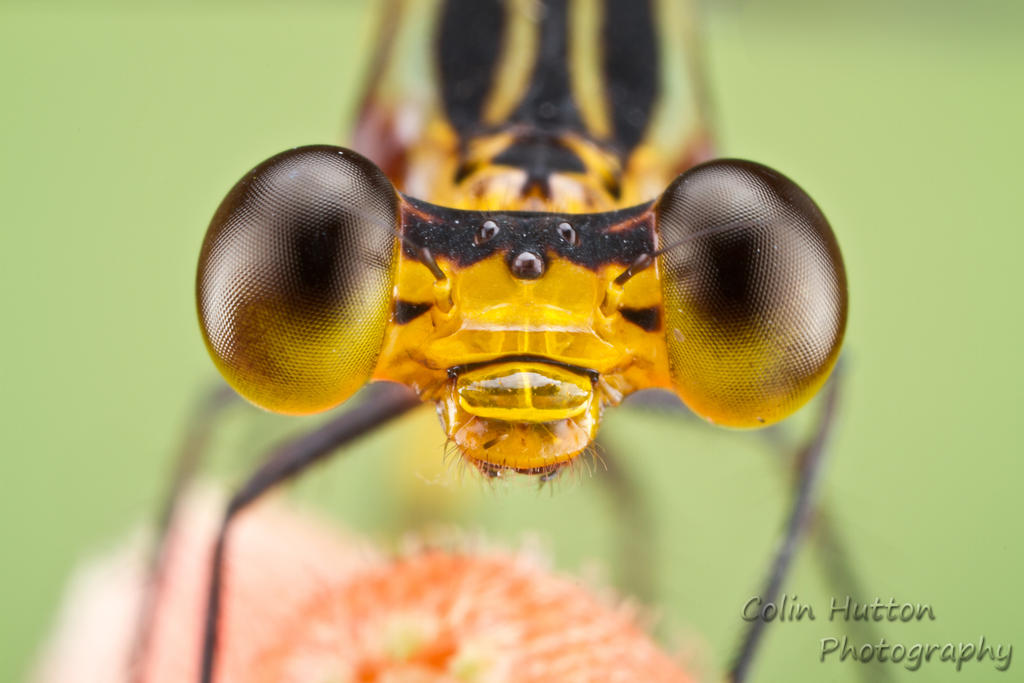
column 316, row 276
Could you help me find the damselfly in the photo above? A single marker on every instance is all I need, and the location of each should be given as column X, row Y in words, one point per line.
column 530, row 230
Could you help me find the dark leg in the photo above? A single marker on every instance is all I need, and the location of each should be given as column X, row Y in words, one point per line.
column 197, row 436
column 835, row 561
column 837, row 567
column 834, row 558
column 282, row 464
column 635, row 531
column 809, row 465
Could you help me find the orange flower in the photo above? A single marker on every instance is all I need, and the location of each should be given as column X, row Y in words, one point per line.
column 304, row 605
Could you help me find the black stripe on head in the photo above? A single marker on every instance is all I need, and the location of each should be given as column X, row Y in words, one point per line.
column 647, row 319
column 599, row 239
column 469, row 43
column 407, row 311
column 631, row 68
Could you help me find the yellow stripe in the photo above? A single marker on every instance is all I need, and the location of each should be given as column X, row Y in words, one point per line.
column 585, row 51
column 516, row 63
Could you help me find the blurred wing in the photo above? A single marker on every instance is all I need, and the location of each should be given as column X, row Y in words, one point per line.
column 401, row 98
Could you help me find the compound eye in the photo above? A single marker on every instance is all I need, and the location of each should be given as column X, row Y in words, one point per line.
column 295, row 278
column 754, row 291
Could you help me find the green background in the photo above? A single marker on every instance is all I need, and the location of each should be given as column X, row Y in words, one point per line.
column 121, row 127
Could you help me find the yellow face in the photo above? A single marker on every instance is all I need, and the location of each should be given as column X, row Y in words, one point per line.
column 519, row 344
column 522, row 367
